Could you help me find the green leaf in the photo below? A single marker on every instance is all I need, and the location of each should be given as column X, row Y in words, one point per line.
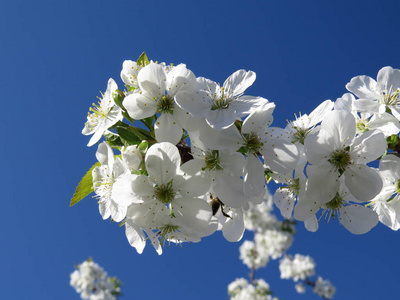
column 114, row 140
column 148, row 122
column 118, row 98
column 392, row 142
column 85, row 186
column 129, row 134
column 143, row 60
column 143, row 146
column 134, row 135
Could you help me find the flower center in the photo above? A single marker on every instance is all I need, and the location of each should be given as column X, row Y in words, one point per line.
column 252, row 143
column 166, row 104
column 335, row 203
column 164, row 192
column 212, row 161
column 341, row 159
column 166, row 232
column 295, row 186
column 300, row 135
column 390, row 98
column 222, row 102
column 362, row 126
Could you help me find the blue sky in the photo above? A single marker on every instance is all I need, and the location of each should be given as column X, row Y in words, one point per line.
column 55, row 58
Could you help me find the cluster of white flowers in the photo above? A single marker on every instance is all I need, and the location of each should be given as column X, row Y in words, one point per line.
column 297, row 267
column 272, row 239
column 324, row 288
column 195, row 156
column 241, row 289
column 92, row 282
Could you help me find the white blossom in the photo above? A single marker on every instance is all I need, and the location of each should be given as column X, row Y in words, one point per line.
column 297, row 267
column 387, row 202
column 220, row 106
column 324, row 288
column 240, row 289
column 93, row 283
column 104, row 114
column 377, row 96
column 334, row 152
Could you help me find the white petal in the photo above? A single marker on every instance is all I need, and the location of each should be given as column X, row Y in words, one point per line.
column 239, row 81
column 386, row 214
column 180, row 78
column 368, row 146
column 358, row 219
column 363, row 182
column 391, row 163
column 105, row 155
column 233, row 163
column 197, row 103
column 259, row 118
column 363, row 87
column 167, row 129
column 318, row 114
column 345, row 102
column 162, row 162
column 205, row 137
column 389, row 79
column 221, row 118
column 386, row 123
column 126, row 192
column 279, row 155
column 193, row 186
column 95, row 137
column 254, row 180
column 229, row 189
column 323, row 183
column 319, row 147
column 104, row 209
column 118, row 212
column 311, row 224
column 234, row 228
column 135, row 236
column 245, row 105
column 139, row 106
column 284, row 200
column 195, row 212
column 341, row 125
column 152, row 80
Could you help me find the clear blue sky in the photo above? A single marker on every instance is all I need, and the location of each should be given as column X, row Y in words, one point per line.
column 56, row 56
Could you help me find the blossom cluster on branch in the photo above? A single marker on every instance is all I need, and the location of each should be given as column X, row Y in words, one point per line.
column 194, row 156
column 93, row 283
column 272, row 239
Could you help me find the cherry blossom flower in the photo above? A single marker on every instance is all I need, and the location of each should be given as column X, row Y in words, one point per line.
column 104, row 114
column 377, row 96
column 220, row 106
column 158, row 89
column 387, row 202
column 336, row 151
column 104, row 178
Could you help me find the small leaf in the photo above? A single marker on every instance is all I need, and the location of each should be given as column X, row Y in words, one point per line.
column 148, row 122
column 143, row 60
column 129, row 134
column 393, row 142
column 85, row 186
column 134, row 135
column 143, row 146
column 118, row 98
column 114, row 140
